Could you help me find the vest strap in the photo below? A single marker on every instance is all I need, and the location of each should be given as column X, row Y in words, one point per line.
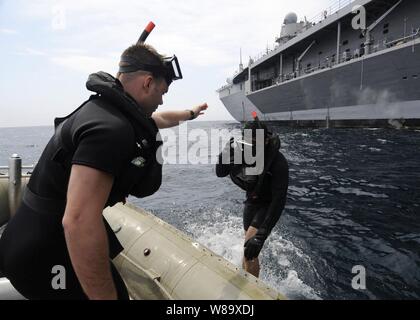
column 42, row 204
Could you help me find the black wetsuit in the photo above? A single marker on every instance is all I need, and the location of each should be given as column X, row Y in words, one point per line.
column 33, row 242
column 263, row 207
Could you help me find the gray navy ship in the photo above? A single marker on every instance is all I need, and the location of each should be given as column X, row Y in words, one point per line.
column 356, row 64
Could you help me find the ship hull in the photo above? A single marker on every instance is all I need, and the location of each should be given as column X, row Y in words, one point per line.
column 239, row 106
column 382, row 86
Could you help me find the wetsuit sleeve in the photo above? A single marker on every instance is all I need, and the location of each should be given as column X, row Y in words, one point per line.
column 102, row 145
column 279, row 185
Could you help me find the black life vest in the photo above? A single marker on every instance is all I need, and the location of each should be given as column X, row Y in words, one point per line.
column 140, row 178
column 143, row 175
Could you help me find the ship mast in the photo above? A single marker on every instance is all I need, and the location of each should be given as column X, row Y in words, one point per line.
column 241, row 66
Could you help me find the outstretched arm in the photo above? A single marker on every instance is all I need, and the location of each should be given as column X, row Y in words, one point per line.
column 169, row 119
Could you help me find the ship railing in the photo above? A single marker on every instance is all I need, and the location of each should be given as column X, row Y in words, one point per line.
column 264, row 53
column 14, row 175
column 294, row 75
column 403, row 40
column 5, row 168
column 338, row 5
column 235, row 73
column 329, row 62
column 5, row 171
column 348, row 56
column 229, row 84
column 15, row 166
column 223, row 88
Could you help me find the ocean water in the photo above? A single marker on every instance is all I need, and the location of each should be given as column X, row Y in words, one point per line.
column 353, row 200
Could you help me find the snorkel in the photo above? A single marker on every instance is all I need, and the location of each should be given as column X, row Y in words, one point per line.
column 257, row 121
column 149, row 28
column 255, row 116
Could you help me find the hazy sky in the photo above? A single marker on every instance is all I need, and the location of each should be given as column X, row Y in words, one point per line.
column 49, row 47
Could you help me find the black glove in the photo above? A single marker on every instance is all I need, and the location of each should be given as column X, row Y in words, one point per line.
column 253, row 247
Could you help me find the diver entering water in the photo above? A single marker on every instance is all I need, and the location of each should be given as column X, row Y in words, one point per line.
column 104, row 151
column 266, row 191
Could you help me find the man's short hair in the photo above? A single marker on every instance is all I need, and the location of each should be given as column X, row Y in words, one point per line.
column 143, row 53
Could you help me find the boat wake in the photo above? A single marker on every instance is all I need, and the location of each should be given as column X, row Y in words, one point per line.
column 278, row 259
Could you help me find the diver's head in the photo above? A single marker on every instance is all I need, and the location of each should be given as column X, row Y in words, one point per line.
column 144, row 76
column 253, row 130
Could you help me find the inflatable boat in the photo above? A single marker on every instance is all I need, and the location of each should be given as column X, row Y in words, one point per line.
column 158, row 261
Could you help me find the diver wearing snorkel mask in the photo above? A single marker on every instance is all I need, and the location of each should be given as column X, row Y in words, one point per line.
column 266, row 191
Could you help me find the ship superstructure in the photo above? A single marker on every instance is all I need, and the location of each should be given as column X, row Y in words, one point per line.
column 338, row 68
